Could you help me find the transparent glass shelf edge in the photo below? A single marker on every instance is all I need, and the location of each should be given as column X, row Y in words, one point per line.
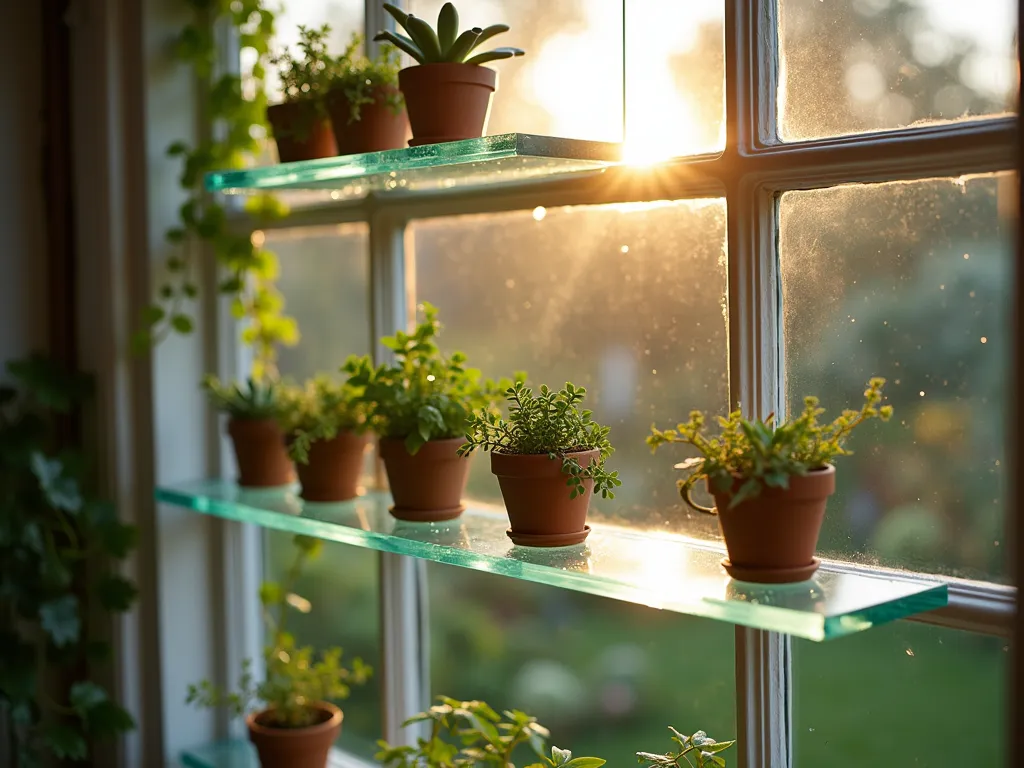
column 239, row 753
column 483, row 160
column 659, row 570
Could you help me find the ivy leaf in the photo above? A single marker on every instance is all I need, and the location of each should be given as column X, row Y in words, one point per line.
column 108, row 719
column 66, row 742
column 84, row 696
column 59, row 619
column 60, row 490
column 182, row 324
column 116, row 593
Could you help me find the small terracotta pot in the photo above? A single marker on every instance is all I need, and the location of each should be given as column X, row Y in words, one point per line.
column 537, row 498
column 295, row 747
column 334, row 468
column 772, row 538
column 447, row 102
column 260, row 453
column 300, row 133
column 377, row 129
column 427, row 487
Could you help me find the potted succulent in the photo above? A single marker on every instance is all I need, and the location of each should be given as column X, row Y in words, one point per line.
column 296, row 725
column 696, row 751
column 770, row 482
column 549, row 457
column 253, row 424
column 471, row 733
column 448, row 92
column 301, row 127
column 419, row 405
column 366, row 108
column 326, row 434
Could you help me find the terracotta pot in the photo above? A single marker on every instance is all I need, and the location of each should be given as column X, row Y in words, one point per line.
column 427, row 487
column 260, row 453
column 537, row 498
column 334, row 468
column 300, row 134
column 447, row 102
column 377, row 129
column 295, row 747
column 772, row 538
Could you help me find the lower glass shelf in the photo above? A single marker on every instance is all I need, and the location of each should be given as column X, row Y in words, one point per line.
column 241, row 754
column 660, row 570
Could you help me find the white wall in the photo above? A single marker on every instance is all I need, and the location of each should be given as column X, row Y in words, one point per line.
column 23, row 314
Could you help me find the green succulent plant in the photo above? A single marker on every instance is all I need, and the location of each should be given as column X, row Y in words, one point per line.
column 254, row 400
column 363, row 80
column 696, row 751
column 319, row 411
column 548, row 422
column 446, row 44
column 763, row 453
column 296, row 676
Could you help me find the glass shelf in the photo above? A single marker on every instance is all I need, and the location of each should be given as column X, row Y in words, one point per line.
column 238, row 754
column 660, row 570
column 510, row 157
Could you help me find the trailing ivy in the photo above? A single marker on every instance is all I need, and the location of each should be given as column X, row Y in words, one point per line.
column 235, row 105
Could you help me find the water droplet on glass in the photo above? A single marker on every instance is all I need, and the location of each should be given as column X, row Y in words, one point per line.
column 539, row 213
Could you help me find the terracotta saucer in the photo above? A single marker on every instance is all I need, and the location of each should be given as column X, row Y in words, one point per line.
column 548, row 539
column 771, row 575
column 426, row 515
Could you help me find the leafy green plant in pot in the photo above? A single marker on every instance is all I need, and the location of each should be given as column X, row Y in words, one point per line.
column 325, row 424
column 770, row 482
column 366, row 108
column 419, row 405
column 296, row 725
column 471, row 733
column 300, row 124
column 696, row 751
column 448, row 92
column 254, row 413
column 549, row 457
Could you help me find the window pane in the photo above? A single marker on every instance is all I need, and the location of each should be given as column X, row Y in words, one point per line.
column 627, row 300
column 910, row 281
column 342, row 585
column 325, row 281
column 569, row 83
column 871, row 65
column 902, row 695
column 606, row 677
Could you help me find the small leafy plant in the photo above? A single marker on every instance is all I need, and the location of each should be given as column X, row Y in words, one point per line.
column 307, row 75
column 471, row 733
column 762, row 453
column 548, row 422
column 255, row 400
column 428, row 46
column 319, row 411
column 295, row 677
column 423, row 395
column 364, row 80
column 697, row 751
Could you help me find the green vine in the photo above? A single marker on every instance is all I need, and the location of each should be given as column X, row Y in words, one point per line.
column 235, row 105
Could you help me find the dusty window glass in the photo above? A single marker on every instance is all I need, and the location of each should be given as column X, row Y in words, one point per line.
column 626, row 300
column 904, row 694
column 324, row 278
column 910, row 281
column 873, row 65
column 606, row 677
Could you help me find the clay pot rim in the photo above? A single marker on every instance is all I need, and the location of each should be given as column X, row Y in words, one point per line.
column 432, row 448
column 336, row 715
column 820, row 481
column 525, row 465
column 460, row 72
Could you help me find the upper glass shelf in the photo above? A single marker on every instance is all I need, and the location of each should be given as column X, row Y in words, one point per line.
column 507, row 158
column 650, row 568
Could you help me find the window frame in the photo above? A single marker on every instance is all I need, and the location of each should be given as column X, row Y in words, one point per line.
column 751, row 172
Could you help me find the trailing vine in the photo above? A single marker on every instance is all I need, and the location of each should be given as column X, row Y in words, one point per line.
column 235, row 105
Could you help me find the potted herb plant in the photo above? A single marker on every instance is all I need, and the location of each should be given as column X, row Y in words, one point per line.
column 696, row 751
column 448, row 92
column 419, row 405
column 301, row 127
column 366, row 108
column 326, row 434
column 471, row 733
column 549, row 457
column 253, row 424
column 770, row 482
column 296, row 725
